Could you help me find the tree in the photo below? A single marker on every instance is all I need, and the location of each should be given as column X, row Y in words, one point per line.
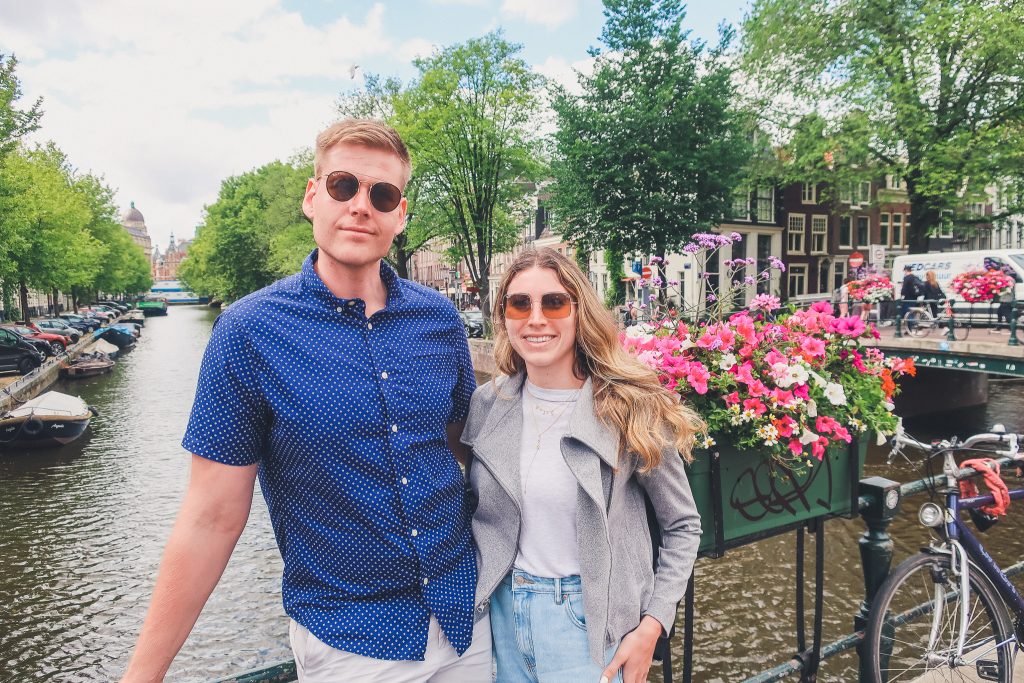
column 468, row 120
column 14, row 123
column 254, row 233
column 929, row 90
column 652, row 150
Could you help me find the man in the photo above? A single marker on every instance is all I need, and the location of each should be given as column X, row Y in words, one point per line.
column 911, row 289
column 345, row 389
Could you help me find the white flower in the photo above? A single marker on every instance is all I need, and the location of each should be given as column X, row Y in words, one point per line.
column 781, row 373
column 888, row 405
column 880, row 439
column 686, row 344
column 798, row 374
column 635, row 331
column 728, row 360
column 769, row 434
column 708, row 442
column 835, row 394
column 818, row 379
column 812, row 408
column 808, row 437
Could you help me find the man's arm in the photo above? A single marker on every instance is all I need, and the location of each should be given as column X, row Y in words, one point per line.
column 458, row 448
column 212, row 516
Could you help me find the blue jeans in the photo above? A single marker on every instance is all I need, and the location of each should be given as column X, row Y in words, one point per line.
column 539, row 632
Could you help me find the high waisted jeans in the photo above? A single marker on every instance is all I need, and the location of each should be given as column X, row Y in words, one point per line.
column 539, row 631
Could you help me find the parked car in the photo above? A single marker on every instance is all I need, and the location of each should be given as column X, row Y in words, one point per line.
column 49, row 344
column 90, row 322
column 473, row 321
column 105, row 316
column 58, row 326
column 17, row 354
column 115, row 304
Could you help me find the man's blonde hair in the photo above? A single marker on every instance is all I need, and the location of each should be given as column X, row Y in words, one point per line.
column 366, row 132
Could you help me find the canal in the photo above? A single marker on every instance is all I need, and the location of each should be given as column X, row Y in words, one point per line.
column 82, row 529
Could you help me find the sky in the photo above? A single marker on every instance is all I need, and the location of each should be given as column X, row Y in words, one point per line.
column 167, row 99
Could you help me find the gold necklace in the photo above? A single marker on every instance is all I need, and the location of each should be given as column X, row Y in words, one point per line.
column 557, row 412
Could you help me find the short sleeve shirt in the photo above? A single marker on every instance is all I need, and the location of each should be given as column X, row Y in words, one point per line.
column 346, row 417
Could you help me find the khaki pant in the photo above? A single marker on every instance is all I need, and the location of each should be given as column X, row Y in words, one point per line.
column 317, row 662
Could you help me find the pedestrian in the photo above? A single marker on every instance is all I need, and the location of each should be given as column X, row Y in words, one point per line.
column 911, row 289
column 344, row 388
column 565, row 444
column 933, row 293
column 1005, row 307
column 842, row 297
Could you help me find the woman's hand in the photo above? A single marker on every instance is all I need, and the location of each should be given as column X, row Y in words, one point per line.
column 635, row 652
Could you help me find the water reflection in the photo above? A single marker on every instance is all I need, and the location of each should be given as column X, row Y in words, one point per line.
column 82, row 529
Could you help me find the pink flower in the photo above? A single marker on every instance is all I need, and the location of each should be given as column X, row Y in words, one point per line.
column 757, row 388
column 732, row 399
column 822, row 307
column 848, row 326
column 764, row 302
column 801, row 391
column 785, row 426
column 795, row 447
column 782, row 397
column 698, row 376
column 744, row 372
column 818, row 448
column 812, row 346
column 756, row 405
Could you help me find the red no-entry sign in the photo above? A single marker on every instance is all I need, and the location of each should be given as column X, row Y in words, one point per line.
column 646, row 272
column 856, row 259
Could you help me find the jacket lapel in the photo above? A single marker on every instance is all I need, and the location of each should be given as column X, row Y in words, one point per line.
column 589, row 437
column 498, row 442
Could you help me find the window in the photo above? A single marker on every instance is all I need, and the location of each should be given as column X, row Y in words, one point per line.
column 712, row 280
column 797, row 280
column 819, row 234
column 795, row 233
column 895, row 182
column 741, row 204
column 863, row 231
column 897, row 230
column 739, row 251
column 845, row 233
column 883, row 229
column 838, row 274
column 681, row 289
column 765, row 204
column 846, row 194
column 863, row 192
column 823, row 278
column 764, row 250
column 809, row 193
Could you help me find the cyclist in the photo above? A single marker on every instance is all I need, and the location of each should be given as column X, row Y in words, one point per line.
column 933, row 292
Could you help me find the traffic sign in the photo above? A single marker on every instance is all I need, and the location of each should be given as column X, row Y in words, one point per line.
column 856, row 259
column 646, row 273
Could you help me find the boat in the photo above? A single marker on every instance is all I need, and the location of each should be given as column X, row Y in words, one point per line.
column 49, row 420
column 88, row 365
column 117, row 335
column 136, row 315
column 151, row 306
column 175, row 293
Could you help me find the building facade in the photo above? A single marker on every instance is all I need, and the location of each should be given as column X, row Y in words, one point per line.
column 135, row 224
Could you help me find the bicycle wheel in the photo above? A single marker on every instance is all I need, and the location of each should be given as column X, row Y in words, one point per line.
column 921, row 595
column 961, row 328
column 918, row 322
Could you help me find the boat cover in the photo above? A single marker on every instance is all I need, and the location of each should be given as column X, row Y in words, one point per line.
column 103, row 346
column 51, row 403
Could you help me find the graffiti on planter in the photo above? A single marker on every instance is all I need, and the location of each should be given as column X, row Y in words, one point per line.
column 768, row 489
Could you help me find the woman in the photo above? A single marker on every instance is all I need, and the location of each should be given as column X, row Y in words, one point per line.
column 933, row 292
column 565, row 444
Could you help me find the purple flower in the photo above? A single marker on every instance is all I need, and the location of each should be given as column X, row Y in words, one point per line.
column 764, row 302
column 655, row 259
column 712, row 298
column 652, row 298
column 735, row 236
column 691, row 248
column 749, row 280
column 673, row 283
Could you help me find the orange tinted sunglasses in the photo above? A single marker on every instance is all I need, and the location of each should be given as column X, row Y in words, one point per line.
column 554, row 305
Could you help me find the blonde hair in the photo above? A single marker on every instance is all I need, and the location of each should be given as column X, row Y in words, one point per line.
column 627, row 393
column 365, row 132
column 929, row 277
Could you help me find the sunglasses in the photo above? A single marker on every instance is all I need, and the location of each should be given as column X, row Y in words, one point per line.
column 343, row 186
column 553, row 305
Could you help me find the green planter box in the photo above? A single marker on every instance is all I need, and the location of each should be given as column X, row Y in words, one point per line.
column 744, row 497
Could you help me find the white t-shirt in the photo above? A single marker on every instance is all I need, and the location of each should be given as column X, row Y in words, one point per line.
column 547, row 538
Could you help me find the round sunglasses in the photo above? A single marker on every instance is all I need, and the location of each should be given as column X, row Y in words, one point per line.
column 554, row 305
column 343, row 186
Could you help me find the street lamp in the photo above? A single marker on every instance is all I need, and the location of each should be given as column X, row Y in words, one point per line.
column 453, row 276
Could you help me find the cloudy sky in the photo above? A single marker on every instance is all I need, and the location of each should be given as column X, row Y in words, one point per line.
column 166, row 99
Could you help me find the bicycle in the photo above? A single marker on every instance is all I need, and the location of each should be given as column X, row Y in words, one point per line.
column 942, row 614
column 919, row 321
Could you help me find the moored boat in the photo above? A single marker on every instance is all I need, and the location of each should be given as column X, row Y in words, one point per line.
column 117, row 335
column 49, row 420
column 88, row 365
column 136, row 315
column 151, row 306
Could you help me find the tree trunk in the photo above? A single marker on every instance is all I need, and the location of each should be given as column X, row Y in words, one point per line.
column 23, row 288
column 56, row 302
column 923, row 218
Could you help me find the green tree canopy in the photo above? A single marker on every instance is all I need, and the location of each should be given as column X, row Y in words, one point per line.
column 254, row 233
column 653, row 148
column 930, row 90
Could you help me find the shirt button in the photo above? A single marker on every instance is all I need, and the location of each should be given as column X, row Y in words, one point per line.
column 384, row 375
column 415, row 533
column 339, row 309
column 369, row 326
column 404, row 480
column 426, row 581
column 394, row 428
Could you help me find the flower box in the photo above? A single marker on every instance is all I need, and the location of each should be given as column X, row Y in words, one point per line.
column 742, row 499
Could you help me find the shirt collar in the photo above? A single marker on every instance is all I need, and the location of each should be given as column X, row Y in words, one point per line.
column 311, row 282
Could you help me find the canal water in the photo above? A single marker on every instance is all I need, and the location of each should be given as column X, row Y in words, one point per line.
column 82, row 529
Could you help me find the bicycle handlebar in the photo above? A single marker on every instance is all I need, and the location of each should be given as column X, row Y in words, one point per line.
column 998, row 435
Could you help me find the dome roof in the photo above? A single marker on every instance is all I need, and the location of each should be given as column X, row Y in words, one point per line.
column 132, row 215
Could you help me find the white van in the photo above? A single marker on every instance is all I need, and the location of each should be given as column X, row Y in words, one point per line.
column 948, row 265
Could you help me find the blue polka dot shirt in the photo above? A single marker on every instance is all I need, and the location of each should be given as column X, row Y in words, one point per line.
column 346, row 417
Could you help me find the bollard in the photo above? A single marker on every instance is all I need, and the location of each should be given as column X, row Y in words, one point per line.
column 1013, row 325
column 875, row 545
column 950, row 334
column 898, row 322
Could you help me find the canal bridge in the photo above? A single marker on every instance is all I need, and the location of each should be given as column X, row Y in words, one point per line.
column 991, row 351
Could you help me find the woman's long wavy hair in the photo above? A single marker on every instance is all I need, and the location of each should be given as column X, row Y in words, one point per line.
column 627, row 394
